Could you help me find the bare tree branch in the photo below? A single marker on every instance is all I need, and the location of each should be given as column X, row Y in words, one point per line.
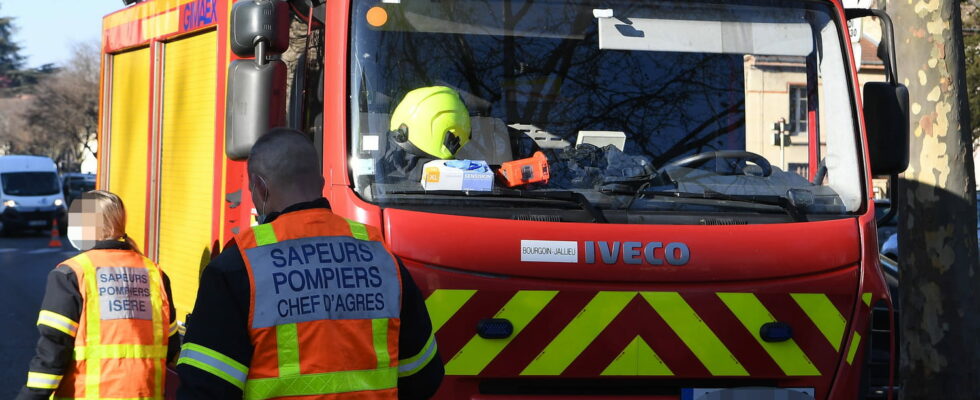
column 61, row 117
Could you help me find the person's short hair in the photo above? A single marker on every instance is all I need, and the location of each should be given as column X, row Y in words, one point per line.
column 285, row 156
column 274, row 134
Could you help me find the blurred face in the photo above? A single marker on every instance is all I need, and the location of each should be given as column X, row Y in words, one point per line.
column 83, row 224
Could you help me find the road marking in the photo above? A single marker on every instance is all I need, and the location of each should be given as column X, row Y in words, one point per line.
column 43, row 251
column 7, row 250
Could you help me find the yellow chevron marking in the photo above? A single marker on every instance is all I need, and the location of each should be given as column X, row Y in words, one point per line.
column 579, row 333
column 852, row 349
column 824, row 315
column 788, row 355
column 695, row 333
column 443, row 304
column 867, row 299
column 479, row 352
column 638, row 359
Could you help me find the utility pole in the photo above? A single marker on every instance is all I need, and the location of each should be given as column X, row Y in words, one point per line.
column 940, row 275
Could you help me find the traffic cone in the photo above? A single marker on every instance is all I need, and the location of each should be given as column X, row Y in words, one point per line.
column 54, row 234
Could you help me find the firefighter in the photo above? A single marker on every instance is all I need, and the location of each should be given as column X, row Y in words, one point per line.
column 429, row 123
column 107, row 324
column 307, row 304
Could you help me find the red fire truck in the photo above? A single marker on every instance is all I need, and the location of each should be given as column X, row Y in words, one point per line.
column 681, row 247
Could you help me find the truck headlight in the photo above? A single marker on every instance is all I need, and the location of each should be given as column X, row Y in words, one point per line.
column 58, row 202
column 10, row 203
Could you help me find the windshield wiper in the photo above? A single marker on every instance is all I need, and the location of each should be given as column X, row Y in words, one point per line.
column 568, row 195
column 562, row 196
column 795, row 211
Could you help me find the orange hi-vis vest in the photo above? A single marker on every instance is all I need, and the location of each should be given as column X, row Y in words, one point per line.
column 121, row 337
column 325, row 307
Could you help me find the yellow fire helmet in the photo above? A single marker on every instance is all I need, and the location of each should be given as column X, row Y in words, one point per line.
column 431, row 120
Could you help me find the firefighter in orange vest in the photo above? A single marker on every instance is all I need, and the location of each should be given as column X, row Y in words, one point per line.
column 306, row 305
column 107, row 325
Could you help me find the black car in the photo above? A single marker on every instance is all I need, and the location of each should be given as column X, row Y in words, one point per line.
column 74, row 184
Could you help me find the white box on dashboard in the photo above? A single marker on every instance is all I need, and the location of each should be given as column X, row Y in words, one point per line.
column 436, row 175
column 602, row 139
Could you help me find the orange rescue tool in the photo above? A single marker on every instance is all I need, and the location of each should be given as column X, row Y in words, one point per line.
column 525, row 171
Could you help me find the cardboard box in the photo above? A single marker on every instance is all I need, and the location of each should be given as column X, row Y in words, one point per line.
column 436, row 175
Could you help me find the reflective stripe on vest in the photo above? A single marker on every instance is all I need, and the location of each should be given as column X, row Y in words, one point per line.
column 213, row 362
column 119, row 351
column 57, row 321
column 38, row 380
column 363, row 264
column 331, row 382
column 414, row 364
column 94, row 351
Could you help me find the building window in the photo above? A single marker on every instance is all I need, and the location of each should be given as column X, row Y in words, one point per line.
column 797, row 109
column 801, row 169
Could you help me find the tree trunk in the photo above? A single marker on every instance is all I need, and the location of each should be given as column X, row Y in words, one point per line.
column 937, row 208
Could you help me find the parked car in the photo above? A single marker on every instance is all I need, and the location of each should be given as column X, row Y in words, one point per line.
column 74, row 184
column 30, row 193
column 886, row 226
column 890, row 247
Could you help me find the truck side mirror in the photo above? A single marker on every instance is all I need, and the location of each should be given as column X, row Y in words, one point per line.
column 256, row 103
column 886, row 117
column 259, row 21
column 256, row 98
column 886, row 105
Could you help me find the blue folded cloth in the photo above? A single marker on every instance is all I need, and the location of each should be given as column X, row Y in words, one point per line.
column 469, row 165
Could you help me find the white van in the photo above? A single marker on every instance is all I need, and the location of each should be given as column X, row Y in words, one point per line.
column 30, row 193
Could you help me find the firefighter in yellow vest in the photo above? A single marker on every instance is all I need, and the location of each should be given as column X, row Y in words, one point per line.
column 107, row 325
column 306, row 305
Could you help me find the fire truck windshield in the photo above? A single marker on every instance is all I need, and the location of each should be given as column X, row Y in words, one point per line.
column 629, row 109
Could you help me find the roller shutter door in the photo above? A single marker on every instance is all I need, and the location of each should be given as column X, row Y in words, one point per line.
column 187, row 163
column 128, row 133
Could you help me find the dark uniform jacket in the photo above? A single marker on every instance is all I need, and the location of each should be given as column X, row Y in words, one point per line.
column 220, row 323
column 54, row 353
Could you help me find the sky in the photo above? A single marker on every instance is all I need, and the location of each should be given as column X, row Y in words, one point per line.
column 48, row 28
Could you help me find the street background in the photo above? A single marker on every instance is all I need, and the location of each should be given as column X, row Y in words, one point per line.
column 25, row 260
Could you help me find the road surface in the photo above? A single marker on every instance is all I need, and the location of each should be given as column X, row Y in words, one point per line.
column 25, row 260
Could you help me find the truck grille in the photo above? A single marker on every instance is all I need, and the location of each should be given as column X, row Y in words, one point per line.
column 537, row 218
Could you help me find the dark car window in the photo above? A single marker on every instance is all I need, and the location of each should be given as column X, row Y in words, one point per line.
column 30, row 183
column 82, row 185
